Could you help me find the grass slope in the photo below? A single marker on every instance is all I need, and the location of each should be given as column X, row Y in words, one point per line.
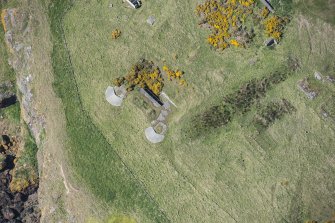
column 324, row 10
column 89, row 149
column 12, row 113
column 231, row 173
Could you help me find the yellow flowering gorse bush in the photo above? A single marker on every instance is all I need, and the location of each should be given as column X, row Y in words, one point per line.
column 227, row 20
column 145, row 74
column 224, row 20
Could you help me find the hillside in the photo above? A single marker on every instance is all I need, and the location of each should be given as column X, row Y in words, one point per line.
column 251, row 138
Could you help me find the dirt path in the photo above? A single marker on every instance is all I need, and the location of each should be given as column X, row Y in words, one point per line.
column 67, row 185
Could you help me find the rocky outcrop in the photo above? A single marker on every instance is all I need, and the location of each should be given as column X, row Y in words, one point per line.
column 15, row 206
column 19, row 196
column 16, row 23
column 31, row 50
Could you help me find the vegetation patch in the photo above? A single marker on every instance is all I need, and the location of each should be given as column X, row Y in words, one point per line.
column 145, row 74
column 26, row 167
column 175, row 75
column 238, row 102
column 293, row 63
column 274, row 26
column 282, row 8
column 231, row 22
column 243, row 99
column 144, row 105
column 3, row 22
column 271, row 112
column 319, row 8
column 12, row 113
column 116, row 33
column 28, row 157
column 18, row 200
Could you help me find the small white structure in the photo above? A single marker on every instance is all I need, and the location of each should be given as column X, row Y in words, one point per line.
column 112, row 98
column 151, row 20
column 153, row 136
column 135, row 3
column 317, row 75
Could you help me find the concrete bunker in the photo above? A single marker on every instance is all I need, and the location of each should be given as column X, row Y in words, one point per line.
column 156, row 133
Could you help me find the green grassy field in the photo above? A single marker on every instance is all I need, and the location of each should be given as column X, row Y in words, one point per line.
column 320, row 9
column 88, row 145
column 228, row 174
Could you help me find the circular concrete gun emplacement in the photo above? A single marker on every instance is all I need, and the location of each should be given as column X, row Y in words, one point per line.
column 156, row 134
column 115, row 95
